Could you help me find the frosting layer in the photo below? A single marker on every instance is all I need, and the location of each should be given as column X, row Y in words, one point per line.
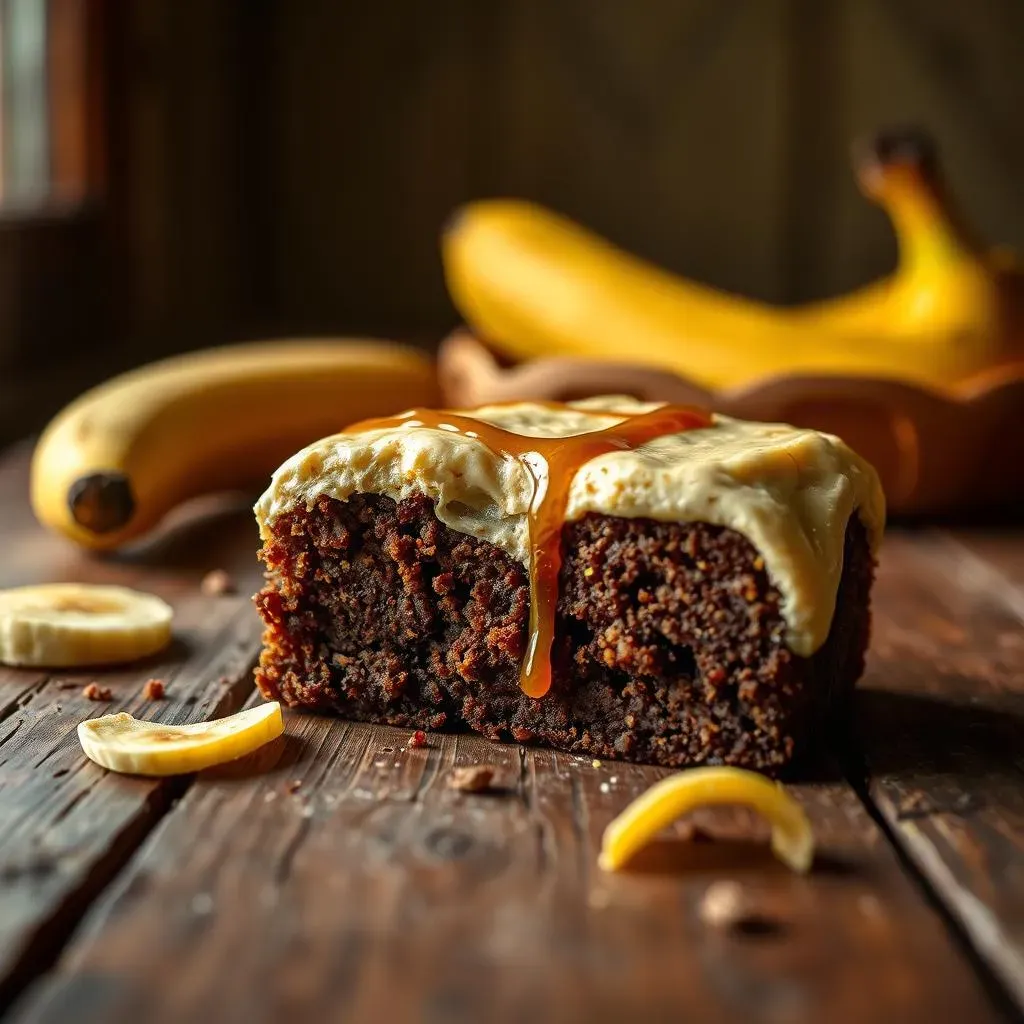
column 790, row 492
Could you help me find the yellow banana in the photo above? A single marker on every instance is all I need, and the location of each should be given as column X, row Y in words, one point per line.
column 115, row 461
column 534, row 284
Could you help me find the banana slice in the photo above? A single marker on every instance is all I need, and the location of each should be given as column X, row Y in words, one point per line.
column 123, row 744
column 645, row 817
column 61, row 625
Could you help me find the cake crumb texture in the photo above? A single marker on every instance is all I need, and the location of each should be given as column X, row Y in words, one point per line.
column 670, row 643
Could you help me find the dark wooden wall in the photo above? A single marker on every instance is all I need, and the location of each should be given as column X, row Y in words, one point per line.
column 285, row 167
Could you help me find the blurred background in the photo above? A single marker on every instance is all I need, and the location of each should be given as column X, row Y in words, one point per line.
column 176, row 173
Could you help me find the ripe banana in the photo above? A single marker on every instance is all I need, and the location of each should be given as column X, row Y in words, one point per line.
column 62, row 625
column 115, row 461
column 534, row 284
column 124, row 744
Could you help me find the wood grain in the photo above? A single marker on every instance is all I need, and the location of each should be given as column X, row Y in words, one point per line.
column 68, row 826
column 337, row 873
column 942, row 728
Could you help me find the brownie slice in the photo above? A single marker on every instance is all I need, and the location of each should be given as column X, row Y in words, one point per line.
column 669, row 641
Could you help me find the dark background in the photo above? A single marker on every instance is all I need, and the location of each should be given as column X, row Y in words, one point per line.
column 224, row 169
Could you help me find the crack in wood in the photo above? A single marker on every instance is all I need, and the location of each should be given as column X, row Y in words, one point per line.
column 283, row 868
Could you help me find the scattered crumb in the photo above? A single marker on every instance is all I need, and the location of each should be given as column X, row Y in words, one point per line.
column 471, row 778
column 605, row 788
column 911, row 803
column 202, row 904
column 727, row 907
column 418, row 739
column 614, row 779
column 217, row 583
column 96, row 692
column 295, row 785
column 153, row 690
column 724, row 904
column 269, row 797
column 595, row 763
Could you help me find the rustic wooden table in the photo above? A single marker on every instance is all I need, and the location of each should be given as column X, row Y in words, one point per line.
column 335, row 875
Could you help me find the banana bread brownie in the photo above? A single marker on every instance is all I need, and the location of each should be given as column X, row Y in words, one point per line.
column 604, row 577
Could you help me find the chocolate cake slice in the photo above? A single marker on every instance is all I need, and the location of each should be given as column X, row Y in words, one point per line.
column 606, row 577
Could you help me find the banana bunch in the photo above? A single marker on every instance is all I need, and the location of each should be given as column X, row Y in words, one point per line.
column 115, row 461
column 533, row 284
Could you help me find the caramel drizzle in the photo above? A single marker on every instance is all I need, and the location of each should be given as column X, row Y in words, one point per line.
column 552, row 463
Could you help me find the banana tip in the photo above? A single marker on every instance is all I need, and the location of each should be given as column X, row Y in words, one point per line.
column 907, row 146
column 101, row 502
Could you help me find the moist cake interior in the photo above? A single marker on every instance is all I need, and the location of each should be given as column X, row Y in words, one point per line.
column 670, row 643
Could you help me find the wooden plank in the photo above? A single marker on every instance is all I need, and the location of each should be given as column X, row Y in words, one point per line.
column 337, row 875
column 942, row 726
column 68, row 826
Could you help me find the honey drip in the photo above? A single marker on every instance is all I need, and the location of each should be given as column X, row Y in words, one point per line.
column 552, row 463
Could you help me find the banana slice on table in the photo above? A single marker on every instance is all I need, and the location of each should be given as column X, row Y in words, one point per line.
column 123, row 744
column 656, row 809
column 62, row 625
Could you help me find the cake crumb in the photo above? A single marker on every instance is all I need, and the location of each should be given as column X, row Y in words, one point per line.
column 96, row 692
column 724, row 904
column 295, row 785
column 154, row 690
column 217, row 583
column 595, row 763
column 418, row 739
column 471, row 778
column 202, row 904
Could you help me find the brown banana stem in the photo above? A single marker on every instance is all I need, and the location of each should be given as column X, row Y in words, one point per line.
column 900, row 171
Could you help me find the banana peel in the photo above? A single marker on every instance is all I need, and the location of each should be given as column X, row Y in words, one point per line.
column 677, row 794
column 535, row 285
